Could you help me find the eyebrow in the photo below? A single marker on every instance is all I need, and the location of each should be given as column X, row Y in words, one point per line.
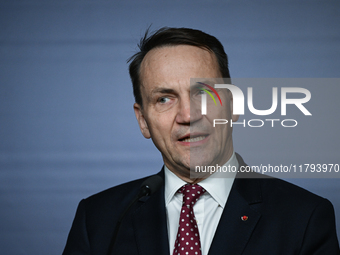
column 196, row 86
column 163, row 91
column 199, row 85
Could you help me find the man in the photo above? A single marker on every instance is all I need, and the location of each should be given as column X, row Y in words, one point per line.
column 227, row 215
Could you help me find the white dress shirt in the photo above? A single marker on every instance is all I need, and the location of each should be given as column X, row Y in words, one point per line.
column 208, row 209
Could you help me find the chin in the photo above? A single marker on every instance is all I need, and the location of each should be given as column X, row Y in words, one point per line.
column 200, row 160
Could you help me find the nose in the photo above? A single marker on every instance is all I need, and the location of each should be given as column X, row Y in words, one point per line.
column 187, row 112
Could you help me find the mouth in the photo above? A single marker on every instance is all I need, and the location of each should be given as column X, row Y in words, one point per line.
column 193, row 138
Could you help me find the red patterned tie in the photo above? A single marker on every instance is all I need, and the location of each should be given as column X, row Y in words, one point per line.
column 188, row 239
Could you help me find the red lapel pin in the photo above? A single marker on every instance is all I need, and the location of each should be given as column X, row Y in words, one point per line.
column 244, row 218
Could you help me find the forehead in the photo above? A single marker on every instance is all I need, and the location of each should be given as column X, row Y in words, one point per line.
column 176, row 65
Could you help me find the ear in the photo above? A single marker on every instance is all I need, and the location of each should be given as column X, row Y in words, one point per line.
column 143, row 125
column 233, row 116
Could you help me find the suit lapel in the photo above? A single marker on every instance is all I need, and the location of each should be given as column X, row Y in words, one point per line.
column 233, row 233
column 150, row 225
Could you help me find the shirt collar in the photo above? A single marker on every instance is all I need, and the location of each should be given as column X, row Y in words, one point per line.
column 172, row 184
column 217, row 185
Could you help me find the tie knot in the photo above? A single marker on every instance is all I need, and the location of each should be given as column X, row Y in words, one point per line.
column 191, row 193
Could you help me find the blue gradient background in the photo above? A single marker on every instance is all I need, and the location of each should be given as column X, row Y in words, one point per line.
column 67, row 127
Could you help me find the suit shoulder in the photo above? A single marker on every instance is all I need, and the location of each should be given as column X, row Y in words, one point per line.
column 287, row 193
column 117, row 195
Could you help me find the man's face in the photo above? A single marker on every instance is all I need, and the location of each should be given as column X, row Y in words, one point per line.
column 185, row 138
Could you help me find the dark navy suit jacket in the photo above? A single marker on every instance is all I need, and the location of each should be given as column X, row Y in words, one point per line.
column 282, row 219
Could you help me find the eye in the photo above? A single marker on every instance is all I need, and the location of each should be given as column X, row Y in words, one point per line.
column 163, row 100
column 196, row 93
column 203, row 91
column 164, row 103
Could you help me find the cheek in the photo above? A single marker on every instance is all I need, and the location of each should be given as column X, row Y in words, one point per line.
column 162, row 126
column 159, row 128
column 219, row 113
